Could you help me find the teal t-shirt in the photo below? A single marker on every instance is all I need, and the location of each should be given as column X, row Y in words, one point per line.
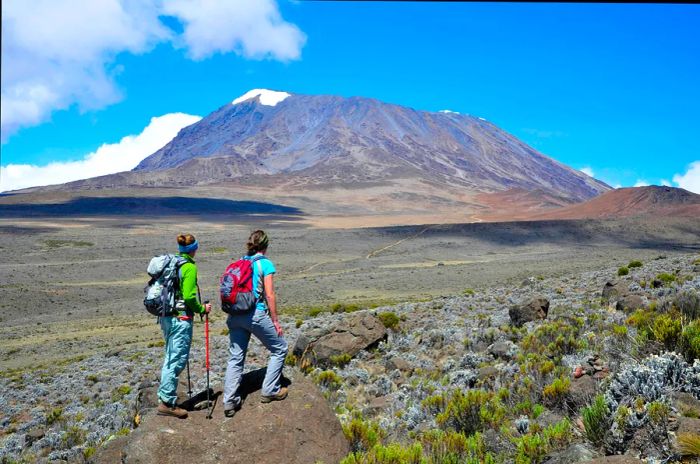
column 267, row 268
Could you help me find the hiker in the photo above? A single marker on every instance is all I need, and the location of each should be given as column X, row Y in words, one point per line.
column 177, row 329
column 262, row 322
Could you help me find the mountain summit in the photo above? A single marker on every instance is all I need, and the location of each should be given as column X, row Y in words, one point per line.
column 322, row 140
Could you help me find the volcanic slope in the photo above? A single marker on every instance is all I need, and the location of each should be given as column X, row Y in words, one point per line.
column 305, row 142
column 633, row 201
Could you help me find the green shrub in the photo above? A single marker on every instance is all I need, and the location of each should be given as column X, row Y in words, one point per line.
column 689, row 445
column 690, row 341
column 291, row 359
column 74, row 436
column 665, row 328
column 666, row 278
column 469, row 292
column 534, row 447
column 658, row 412
column 389, row 319
column 120, row 392
column 391, row 454
column 635, row 263
column 224, row 332
column 156, row 344
column 555, row 393
column 470, row 412
column 341, row 359
column 298, row 323
column 329, row 379
column 623, row 271
column 88, row 452
column 596, row 420
column 454, row 447
column 362, row 435
column 315, row 311
column 619, row 330
column 55, row 415
column 344, row 308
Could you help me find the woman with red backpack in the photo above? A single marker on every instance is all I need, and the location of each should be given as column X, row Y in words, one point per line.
column 260, row 320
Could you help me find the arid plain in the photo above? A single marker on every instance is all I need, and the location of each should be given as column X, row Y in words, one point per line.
column 73, row 286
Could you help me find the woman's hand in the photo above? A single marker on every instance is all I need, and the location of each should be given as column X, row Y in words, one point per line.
column 278, row 327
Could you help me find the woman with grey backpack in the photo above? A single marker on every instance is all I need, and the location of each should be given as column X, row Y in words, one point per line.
column 248, row 296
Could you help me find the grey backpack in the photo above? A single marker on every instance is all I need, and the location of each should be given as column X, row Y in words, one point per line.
column 160, row 299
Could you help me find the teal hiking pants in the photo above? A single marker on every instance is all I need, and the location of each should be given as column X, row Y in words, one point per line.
column 178, row 338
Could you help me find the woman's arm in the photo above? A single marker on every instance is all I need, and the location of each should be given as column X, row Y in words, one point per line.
column 188, row 287
column 269, row 288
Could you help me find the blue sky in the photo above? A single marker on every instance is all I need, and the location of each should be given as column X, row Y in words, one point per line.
column 611, row 88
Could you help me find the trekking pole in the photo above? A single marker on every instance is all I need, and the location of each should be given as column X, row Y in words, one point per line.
column 206, row 348
column 189, row 382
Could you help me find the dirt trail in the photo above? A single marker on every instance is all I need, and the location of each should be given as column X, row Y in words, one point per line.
column 374, row 253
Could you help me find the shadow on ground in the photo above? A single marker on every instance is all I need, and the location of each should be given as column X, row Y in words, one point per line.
column 154, row 207
column 678, row 234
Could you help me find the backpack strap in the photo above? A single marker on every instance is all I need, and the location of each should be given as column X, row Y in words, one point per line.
column 256, row 260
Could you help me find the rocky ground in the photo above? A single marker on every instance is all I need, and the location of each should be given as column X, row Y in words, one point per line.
column 559, row 369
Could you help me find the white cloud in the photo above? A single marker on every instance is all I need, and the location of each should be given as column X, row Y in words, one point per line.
column 57, row 53
column 691, row 179
column 107, row 159
column 253, row 29
column 665, row 183
column 587, row 171
column 641, row 183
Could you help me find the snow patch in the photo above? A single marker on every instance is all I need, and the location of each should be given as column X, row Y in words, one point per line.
column 267, row 97
column 448, row 111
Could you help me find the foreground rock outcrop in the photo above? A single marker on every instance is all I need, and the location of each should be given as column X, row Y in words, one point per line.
column 348, row 337
column 301, row 429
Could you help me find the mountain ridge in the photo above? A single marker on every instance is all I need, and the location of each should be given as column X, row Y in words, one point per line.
column 334, row 138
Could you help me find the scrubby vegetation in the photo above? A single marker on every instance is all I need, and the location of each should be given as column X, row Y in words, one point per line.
column 389, row 319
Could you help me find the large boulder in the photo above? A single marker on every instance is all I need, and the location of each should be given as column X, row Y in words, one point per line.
column 629, row 303
column 612, row 291
column 302, row 429
column 356, row 332
column 531, row 310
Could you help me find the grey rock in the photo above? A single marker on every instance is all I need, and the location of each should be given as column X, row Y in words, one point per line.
column 532, row 310
column 630, row 303
column 578, row 452
column 504, row 349
column 34, row 435
column 582, row 391
column 354, row 333
column 688, row 425
column 614, row 290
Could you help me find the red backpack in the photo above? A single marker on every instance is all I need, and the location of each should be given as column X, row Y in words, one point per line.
column 236, row 287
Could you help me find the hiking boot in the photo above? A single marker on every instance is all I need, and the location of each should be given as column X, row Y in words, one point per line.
column 173, row 411
column 282, row 394
column 230, row 411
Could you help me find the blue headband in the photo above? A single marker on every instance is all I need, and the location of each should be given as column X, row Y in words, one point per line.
column 189, row 248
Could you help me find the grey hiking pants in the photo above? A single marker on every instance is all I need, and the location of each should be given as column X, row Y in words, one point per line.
column 240, row 327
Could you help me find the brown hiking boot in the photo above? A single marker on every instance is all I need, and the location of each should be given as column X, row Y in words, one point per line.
column 173, row 411
column 282, row 394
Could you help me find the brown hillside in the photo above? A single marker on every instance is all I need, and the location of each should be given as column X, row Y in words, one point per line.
column 634, row 201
